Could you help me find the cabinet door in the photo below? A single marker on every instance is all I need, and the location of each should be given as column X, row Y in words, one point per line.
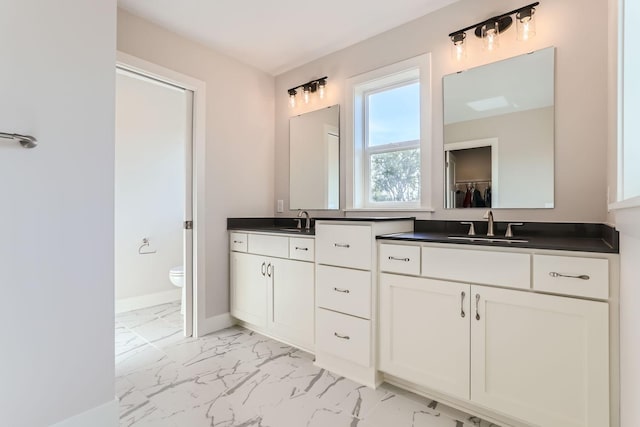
column 249, row 288
column 541, row 358
column 424, row 332
column 291, row 301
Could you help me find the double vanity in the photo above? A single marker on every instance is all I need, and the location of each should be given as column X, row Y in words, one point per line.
column 521, row 331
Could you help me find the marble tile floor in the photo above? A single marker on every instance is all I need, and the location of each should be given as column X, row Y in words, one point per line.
column 238, row 378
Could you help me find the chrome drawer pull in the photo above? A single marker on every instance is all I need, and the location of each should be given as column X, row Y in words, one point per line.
column 570, row 276
column 344, row 291
column 342, row 245
column 343, row 337
column 399, row 259
column 238, row 241
column 298, row 248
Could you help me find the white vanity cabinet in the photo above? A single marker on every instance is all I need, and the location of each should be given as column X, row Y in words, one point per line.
column 249, row 288
column 529, row 357
column 346, row 296
column 424, row 332
column 540, row 358
column 272, row 290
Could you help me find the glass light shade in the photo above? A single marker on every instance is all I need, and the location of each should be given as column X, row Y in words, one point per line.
column 459, row 47
column 526, row 24
column 490, row 36
column 321, row 89
column 292, row 98
column 306, row 93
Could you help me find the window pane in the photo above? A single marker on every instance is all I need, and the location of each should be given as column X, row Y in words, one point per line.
column 631, row 102
column 394, row 115
column 395, row 176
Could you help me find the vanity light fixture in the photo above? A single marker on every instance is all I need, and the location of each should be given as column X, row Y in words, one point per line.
column 313, row 86
column 306, row 92
column 292, row 98
column 526, row 23
column 489, row 30
column 459, row 48
column 322, row 84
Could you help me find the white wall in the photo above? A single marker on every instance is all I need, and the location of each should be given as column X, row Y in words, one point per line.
column 581, row 96
column 239, row 132
column 627, row 221
column 151, row 131
column 56, row 220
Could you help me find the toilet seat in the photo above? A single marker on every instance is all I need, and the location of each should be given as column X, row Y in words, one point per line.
column 176, row 276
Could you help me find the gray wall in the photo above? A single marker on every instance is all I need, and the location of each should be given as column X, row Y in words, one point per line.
column 57, row 83
column 581, row 97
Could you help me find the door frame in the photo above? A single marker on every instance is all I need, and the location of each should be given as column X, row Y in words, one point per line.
column 477, row 143
column 196, row 293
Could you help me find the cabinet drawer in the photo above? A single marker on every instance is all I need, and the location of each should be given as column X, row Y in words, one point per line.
column 301, row 249
column 344, row 290
column 261, row 244
column 402, row 259
column 238, row 242
column 344, row 336
column 512, row 270
column 585, row 277
column 344, row 245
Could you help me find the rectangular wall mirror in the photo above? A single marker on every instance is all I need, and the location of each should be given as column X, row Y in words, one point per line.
column 314, row 160
column 499, row 134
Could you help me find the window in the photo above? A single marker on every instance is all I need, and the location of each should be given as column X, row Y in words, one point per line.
column 388, row 136
column 629, row 103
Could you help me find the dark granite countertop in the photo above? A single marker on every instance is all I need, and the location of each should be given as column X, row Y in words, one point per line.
column 583, row 237
column 270, row 225
column 288, row 225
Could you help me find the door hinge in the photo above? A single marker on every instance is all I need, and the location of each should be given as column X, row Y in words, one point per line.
column 188, row 225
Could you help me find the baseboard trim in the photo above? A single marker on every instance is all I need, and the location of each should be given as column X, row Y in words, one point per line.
column 106, row 415
column 213, row 324
column 143, row 301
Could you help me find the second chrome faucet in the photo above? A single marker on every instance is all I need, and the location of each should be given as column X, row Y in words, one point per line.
column 490, row 226
column 307, row 224
column 489, row 217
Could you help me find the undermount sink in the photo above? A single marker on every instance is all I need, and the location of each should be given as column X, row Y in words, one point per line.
column 486, row 239
column 294, row 230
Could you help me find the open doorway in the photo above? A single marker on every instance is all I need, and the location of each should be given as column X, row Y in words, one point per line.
column 152, row 194
column 159, row 229
column 471, row 174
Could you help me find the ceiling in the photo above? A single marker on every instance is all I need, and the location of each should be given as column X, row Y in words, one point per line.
column 278, row 35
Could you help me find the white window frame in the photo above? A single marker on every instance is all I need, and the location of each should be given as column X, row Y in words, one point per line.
column 625, row 47
column 401, row 73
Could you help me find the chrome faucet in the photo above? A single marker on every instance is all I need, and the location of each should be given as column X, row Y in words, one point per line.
column 307, row 223
column 489, row 217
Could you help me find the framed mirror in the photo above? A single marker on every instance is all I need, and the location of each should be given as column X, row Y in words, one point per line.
column 314, row 160
column 499, row 134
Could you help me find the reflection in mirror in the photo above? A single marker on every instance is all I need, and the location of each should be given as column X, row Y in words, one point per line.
column 499, row 134
column 314, row 160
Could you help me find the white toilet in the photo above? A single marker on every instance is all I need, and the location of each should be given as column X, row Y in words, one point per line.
column 176, row 276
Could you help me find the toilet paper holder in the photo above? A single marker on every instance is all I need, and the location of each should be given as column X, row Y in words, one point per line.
column 145, row 244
